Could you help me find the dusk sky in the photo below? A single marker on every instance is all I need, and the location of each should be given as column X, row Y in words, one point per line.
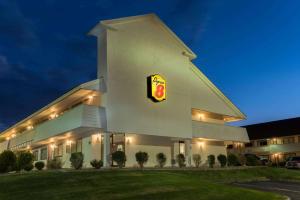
column 249, row 49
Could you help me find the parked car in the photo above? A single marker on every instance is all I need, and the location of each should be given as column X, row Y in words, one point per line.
column 293, row 162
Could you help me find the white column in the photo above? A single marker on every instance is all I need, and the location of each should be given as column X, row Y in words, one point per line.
column 188, row 152
column 106, row 149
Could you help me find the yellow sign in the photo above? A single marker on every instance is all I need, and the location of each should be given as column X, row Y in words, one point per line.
column 156, row 88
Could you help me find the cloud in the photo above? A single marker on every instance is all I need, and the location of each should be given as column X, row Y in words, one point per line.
column 14, row 26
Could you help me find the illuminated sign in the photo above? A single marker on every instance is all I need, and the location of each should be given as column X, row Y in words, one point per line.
column 156, row 86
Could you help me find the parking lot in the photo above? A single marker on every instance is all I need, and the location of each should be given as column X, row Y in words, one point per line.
column 290, row 189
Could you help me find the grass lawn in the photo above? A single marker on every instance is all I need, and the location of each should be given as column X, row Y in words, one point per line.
column 148, row 184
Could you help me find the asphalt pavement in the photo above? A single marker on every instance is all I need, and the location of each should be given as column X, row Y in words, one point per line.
column 290, row 189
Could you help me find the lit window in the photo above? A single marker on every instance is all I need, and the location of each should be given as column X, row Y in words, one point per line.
column 58, row 152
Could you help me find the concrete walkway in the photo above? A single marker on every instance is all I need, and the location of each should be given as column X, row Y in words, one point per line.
column 290, row 189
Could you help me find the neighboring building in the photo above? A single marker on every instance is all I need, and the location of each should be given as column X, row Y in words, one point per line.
column 149, row 96
column 275, row 141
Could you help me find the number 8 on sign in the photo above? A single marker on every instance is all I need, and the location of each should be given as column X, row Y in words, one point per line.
column 156, row 86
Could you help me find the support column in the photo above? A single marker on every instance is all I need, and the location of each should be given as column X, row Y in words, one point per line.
column 188, row 153
column 106, row 150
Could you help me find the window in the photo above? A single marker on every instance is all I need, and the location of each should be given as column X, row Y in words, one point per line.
column 58, row 151
column 35, row 155
column 288, row 140
column 74, row 147
column 230, row 146
column 44, row 154
column 262, row 143
column 181, row 147
column 250, row 144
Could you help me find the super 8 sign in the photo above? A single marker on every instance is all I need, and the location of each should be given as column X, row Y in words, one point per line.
column 156, row 85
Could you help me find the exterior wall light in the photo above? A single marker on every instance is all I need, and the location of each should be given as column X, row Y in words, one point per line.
column 13, row 135
column 7, row 138
column 53, row 146
column 53, row 116
column 30, row 127
column 201, row 116
column 128, row 140
column 28, row 147
column 69, row 142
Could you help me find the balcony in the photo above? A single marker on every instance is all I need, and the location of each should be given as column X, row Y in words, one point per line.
column 275, row 148
column 219, row 132
column 83, row 117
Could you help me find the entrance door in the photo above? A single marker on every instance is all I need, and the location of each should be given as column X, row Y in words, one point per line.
column 117, row 142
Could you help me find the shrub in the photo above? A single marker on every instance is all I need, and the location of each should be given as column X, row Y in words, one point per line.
column 76, row 160
column 119, row 157
column 24, row 160
column 54, row 164
column 211, row 160
column 222, row 160
column 97, row 164
column 232, row 160
column 161, row 159
column 7, row 161
column 39, row 165
column 141, row 158
column 28, row 167
column 180, row 160
column 252, row 160
column 197, row 160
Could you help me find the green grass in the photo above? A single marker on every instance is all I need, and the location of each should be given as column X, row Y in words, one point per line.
column 128, row 184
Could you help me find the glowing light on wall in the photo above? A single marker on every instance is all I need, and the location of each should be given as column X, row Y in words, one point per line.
column 53, row 146
column 30, row 127
column 53, row 116
column 128, row 140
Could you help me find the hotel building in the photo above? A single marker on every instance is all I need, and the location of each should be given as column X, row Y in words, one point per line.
column 148, row 96
column 275, row 141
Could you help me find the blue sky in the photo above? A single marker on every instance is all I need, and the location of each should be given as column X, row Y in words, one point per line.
column 249, row 49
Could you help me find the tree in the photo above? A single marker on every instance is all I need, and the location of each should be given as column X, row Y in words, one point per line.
column 197, row 159
column 141, row 158
column 161, row 159
column 180, row 160
column 119, row 157
column 211, row 160
column 222, row 160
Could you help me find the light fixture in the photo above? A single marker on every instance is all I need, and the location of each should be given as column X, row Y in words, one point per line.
column 7, row 138
column 90, row 97
column 53, row 115
column 13, row 135
column 201, row 116
column 128, row 140
column 53, row 146
column 28, row 147
column 69, row 142
column 30, row 127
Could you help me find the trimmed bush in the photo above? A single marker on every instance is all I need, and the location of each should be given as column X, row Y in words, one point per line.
column 242, row 160
column 141, row 158
column 232, row 160
column 54, row 164
column 97, row 164
column 28, row 167
column 24, row 160
column 211, row 160
column 76, row 160
column 252, row 160
column 39, row 165
column 197, row 160
column 180, row 159
column 222, row 160
column 119, row 157
column 161, row 159
column 7, row 161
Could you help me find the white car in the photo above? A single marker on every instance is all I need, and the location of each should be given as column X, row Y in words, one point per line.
column 293, row 162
